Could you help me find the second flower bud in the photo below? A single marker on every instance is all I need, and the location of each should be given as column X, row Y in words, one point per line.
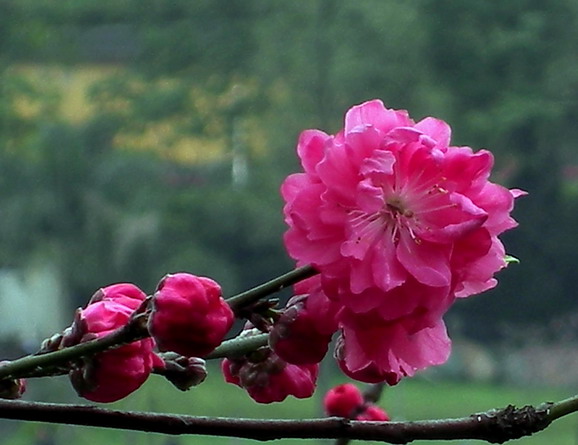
column 189, row 315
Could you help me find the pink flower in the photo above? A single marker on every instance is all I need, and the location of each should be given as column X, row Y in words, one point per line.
column 189, row 315
column 267, row 378
column 126, row 294
column 399, row 224
column 385, row 202
column 343, row 400
column 373, row 413
column 303, row 332
column 113, row 374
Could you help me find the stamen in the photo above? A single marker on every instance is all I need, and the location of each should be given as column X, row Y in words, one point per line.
column 415, row 186
column 435, row 209
column 367, row 226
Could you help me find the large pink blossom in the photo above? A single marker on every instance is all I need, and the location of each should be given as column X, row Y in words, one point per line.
column 399, row 224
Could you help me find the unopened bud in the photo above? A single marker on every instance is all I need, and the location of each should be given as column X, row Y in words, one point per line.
column 51, row 344
column 302, row 333
column 12, row 388
column 373, row 413
column 115, row 373
column 183, row 372
column 126, row 294
column 343, row 400
column 270, row 379
column 189, row 315
column 74, row 334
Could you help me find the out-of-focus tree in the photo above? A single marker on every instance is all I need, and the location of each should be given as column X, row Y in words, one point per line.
column 506, row 71
column 189, row 125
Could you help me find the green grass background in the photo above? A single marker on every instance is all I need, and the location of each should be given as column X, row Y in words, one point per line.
column 412, row 399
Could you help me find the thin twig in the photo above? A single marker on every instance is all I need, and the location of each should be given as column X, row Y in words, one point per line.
column 239, row 346
column 237, row 302
column 35, row 364
column 46, row 364
column 42, row 365
column 373, row 393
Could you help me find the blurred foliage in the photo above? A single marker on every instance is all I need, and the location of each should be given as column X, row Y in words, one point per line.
column 140, row 137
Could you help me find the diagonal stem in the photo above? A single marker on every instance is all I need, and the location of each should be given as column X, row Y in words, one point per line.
column 237, row 302
column 46, row 364
column 239, row 346
column 34, row 364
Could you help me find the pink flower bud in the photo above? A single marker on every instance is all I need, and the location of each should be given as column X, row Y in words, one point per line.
column 373, row 413
column 189, row 315
column 343, row 400
column 267, row 378
column 113, row 374
column 126, row 294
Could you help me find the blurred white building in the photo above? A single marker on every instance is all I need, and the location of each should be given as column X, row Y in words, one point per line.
column 31, row 305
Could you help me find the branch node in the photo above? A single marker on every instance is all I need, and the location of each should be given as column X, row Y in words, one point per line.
column 512, row 423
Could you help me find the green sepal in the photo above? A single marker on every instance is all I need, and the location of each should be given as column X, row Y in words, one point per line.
column 511, row 259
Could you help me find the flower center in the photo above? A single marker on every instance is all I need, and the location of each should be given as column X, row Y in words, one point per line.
column 398, row 217
column 396, row 208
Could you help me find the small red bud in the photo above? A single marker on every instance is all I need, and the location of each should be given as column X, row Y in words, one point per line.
column 343, row 400
column 373, row 413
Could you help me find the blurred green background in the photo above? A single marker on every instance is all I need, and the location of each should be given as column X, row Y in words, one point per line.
column 142, row 137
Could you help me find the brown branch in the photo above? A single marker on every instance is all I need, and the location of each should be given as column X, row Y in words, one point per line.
column 495, row 426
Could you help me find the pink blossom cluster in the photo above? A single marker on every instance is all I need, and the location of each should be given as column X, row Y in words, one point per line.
column 399, row 224
column 113, row 374
column 189, row 317
column 267, row 377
